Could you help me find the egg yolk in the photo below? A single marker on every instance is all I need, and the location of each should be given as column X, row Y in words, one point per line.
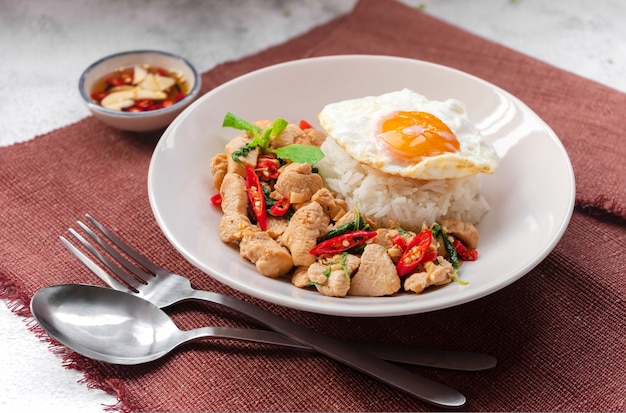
column 415, row 135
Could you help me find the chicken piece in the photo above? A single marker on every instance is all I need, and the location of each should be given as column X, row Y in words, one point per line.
column 250, row 159
column 345, row 218
column 305, row 226
column 384, row 238
column 465, row 232
column 433, row 274
column 292, row 134
column 331, row 276
column 263, row 123
column 350, row 216
column 297, row 183
column 234, row 207
column 276, row 226
column 377, row 275
column 313, row 137
column 219, row 167
column 271, row 259
column 333, row 207
column 300, row 277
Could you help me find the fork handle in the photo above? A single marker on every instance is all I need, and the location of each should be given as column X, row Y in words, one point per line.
column 422, row 388
column 443, row 359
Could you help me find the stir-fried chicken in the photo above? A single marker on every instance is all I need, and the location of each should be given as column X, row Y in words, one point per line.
column 294, row 238
column 305, row 226
column 271, row 259
column 297, row 183
column 463, row 231
column 219, row 168
column 377, row 274
column 250, row 159
column 331, row 276
column 433, row 274
column 276, row 226
column 333, row 207
column 300, row 276
column 234, row 207
column 313, row 137
column 385, row 239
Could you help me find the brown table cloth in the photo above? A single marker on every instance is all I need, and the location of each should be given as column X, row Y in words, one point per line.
column 559, row 333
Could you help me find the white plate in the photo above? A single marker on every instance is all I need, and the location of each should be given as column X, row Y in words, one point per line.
column 531, row 195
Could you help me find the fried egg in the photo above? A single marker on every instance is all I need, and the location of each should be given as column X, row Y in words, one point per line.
column 403, row 133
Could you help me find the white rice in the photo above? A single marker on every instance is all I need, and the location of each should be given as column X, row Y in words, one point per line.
column 392, row 200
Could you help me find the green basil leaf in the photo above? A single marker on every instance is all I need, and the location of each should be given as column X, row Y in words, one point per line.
column 263, row 140
column 235, row 122
column 300, row 153
column 276, row 129
column 279, row 126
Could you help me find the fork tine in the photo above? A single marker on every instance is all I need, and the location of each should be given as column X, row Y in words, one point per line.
column 99, row 271
column 125, row 247
column 119, row 257
column 106, row 261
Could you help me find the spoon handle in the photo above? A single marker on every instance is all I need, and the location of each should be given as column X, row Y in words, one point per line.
column 422, row 388
column 443, row 359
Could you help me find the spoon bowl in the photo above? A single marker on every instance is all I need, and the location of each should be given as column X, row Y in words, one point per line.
column 120, row 328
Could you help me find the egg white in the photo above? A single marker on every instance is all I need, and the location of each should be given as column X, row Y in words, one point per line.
column 353, row 125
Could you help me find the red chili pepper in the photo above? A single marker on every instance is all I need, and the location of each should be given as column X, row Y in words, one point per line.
column 342, row 242
column 416, row 253
column 305, row 125
column 267, row 167
column 398, row 240
column 256, row 198
column 217, row 199
column 464, row 253
column 114, row 81
column 280, row 208
column 144, row 104
column 98, row 96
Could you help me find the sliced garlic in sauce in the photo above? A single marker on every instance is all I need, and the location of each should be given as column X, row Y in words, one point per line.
column 150, row 94
column 119, row 100
column 164, row 82
column 139, row 74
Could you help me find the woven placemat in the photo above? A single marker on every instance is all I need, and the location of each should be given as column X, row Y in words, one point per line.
column 559, row 333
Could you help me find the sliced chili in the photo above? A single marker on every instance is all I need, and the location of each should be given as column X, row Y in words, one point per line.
column 116, row 81
column 98, row 96
column 415, row 253
column 342, row 242
column 217, row 199
column 281, row 207
column 305, row 125
column 399, row 241
column 256, row 198
column 267, row 167
column 463, row 252
column 357, row 224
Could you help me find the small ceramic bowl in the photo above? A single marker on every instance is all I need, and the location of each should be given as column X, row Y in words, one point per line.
column 148, row 120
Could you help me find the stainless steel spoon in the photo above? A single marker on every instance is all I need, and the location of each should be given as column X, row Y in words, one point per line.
column 117, row 327
column 120, row 328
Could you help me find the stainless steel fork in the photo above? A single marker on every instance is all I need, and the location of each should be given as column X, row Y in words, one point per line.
column 163, row 288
